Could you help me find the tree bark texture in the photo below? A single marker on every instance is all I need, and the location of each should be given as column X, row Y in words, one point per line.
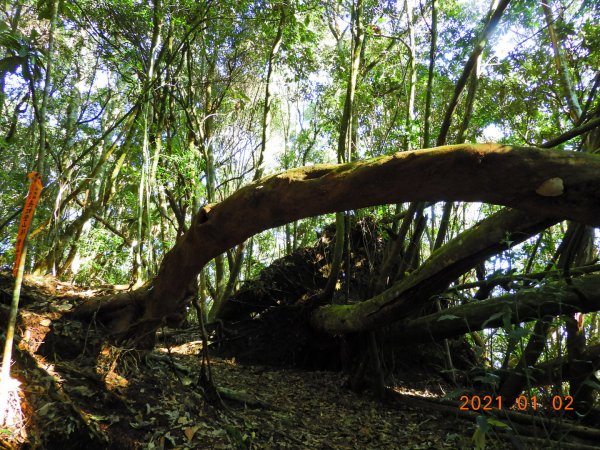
column 559, row 369
column 582, row 295
column 512, row 176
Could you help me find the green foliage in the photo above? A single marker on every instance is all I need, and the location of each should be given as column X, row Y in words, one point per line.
column 484, row 426
column 103, row 259
column 139, row 137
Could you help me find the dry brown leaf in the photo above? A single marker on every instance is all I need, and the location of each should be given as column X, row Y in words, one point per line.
column 190, row 432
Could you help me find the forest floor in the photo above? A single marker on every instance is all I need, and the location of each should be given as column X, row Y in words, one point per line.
column 116, row 398
column 123, row 401
column 270, row 408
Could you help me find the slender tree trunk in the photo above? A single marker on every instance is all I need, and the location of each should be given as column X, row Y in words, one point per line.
column 412, row 70
column 566, row 81
column 51, row 262
column 430, row 74
column 266, row 116
column 143, row 244
column 14, row 23
column 578, row 245
column 235, row 269
column 472, row 89
column 488, row 30
column 513, row 384
column 395, row 252
column 345, row 142
column 47, row 83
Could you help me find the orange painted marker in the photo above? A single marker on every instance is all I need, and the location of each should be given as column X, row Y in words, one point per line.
column 35, row 190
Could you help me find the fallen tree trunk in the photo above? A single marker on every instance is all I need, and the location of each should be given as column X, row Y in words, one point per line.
column 492, row 235
column 560, row 369
column 289, row 330
column 489, row 283
column 548, row 373
column 582, row 295
column 527, row 424
column 551, row 183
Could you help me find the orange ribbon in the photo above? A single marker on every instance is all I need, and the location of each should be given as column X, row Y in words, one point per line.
column 35, row 190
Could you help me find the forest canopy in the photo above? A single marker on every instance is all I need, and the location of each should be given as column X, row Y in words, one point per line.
column 140, row 113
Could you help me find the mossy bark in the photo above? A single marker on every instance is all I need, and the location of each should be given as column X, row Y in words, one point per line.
column 500, row 231
column 582, row 295
column 489, row 173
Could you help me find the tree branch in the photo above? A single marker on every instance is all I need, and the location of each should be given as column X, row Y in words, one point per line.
column 489, row 173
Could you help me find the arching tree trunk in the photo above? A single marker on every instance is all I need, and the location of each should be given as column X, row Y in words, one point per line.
column 545, row 183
